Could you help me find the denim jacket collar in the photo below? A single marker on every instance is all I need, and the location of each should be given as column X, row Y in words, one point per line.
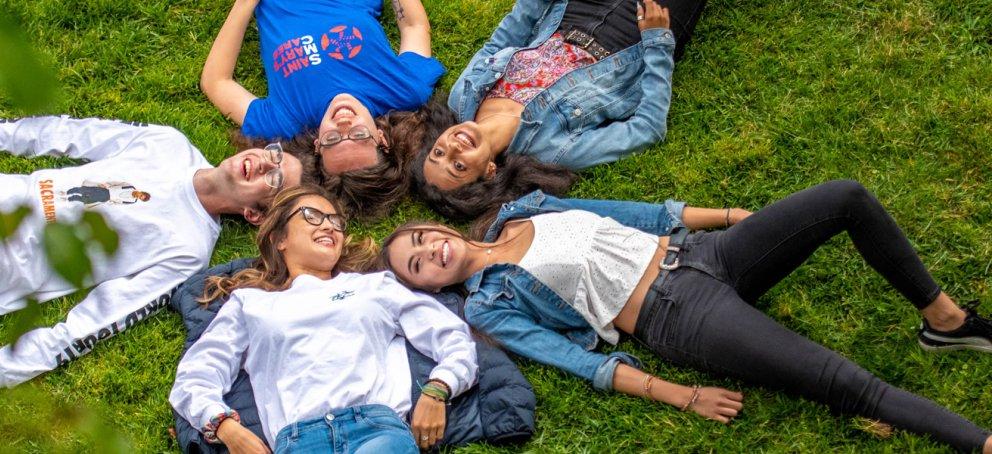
column 524, row 207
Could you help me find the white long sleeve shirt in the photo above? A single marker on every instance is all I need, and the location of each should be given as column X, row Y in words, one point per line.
column 319, row 346
column 163, row 240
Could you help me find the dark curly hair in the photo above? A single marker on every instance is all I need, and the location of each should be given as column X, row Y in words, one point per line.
column 372, row 192
column 515, row 177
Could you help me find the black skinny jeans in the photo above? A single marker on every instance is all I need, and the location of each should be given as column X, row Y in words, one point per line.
column 614, row 22
column 702, row 316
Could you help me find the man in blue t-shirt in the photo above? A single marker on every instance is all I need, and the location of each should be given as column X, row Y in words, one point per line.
column 329, row 66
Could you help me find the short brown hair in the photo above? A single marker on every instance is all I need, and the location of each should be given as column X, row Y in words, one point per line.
column 298, row 147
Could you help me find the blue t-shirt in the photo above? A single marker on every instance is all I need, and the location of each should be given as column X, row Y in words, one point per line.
column 314, row 50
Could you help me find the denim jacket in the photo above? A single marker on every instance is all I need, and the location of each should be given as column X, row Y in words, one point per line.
column 596, row 114
column 528, row 318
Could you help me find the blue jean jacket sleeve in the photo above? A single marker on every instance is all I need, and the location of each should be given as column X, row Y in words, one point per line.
column 648, row 124
column 517, row 28
column 604, row 375
column 520, row 334
column 654, row 218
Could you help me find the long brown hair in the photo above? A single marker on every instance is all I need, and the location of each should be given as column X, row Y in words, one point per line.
column 269, row 272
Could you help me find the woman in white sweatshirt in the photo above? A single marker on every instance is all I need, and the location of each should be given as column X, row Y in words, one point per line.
column 324, row 346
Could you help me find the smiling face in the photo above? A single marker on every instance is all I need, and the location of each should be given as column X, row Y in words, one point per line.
column 429, row 258
column 461, row 155
column 343, row 115
column 245, row 184
column 308, row 248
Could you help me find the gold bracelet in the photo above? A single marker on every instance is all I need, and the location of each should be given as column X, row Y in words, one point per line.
column 693, row 399
column 647, row 384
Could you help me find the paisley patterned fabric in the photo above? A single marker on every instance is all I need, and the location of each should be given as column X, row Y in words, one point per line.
column 530, row 71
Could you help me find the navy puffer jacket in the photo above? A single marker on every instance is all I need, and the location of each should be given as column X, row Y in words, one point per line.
column 498, row 410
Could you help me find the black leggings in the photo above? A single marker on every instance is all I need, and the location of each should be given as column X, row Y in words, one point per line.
column 702, row 316
column 614, row 22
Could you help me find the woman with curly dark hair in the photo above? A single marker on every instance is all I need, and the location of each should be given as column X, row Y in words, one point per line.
column 571, row 83
column 518, row 175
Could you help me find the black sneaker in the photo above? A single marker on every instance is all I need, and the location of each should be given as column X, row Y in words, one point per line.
column 974, row 334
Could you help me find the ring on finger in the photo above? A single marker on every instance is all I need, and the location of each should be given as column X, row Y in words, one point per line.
column 639, row 17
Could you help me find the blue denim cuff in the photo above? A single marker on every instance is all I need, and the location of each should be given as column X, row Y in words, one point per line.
column 675, row 208
column 657, row 37
column 603, row 380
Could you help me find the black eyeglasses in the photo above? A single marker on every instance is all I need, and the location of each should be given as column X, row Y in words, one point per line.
column 316, row 217
column 356, row 133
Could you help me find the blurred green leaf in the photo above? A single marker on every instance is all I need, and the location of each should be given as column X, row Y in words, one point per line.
column 106, row 439
column 21, row 322
column 66, row 253
column 101, row 232
column 31, row 85
column 10, row 221
column 50, row 424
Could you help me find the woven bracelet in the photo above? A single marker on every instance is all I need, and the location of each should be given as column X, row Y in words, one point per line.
column 210, row 429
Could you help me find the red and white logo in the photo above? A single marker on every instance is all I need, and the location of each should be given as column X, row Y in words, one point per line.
column 342, row 42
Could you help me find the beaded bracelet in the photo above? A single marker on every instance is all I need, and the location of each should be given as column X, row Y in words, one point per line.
column 210, row 429
column 434, row 391
column 693, row 399
column 441, row 383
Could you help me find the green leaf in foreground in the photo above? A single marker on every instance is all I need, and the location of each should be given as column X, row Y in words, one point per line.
column 101, row 232
column 9, row 222
column 30, row 84
column 21, row 322
column 66, row 253
column 52, row 424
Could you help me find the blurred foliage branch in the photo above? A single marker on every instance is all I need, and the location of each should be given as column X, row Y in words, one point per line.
column 32, row 87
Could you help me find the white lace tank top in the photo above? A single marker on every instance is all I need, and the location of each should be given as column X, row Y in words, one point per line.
column 592, row 262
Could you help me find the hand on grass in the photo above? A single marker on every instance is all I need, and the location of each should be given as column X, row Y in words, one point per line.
column 428, row 421
column 651, row 15
column 718, row 404
column 240, row 440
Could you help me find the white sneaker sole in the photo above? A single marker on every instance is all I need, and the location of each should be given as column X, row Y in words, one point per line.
column 957, row 343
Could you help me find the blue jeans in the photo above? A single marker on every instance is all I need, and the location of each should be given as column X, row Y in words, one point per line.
column 360, row 429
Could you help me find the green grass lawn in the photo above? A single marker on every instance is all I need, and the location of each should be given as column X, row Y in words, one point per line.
column 772, row 97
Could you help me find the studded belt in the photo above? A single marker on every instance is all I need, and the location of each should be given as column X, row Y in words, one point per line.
column 587, row 42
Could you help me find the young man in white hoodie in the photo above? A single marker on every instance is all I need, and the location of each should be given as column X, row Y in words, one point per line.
column 163, row 240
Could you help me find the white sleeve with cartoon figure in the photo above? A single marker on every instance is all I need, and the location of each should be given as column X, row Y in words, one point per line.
column 92, row 139
column 111, row 307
